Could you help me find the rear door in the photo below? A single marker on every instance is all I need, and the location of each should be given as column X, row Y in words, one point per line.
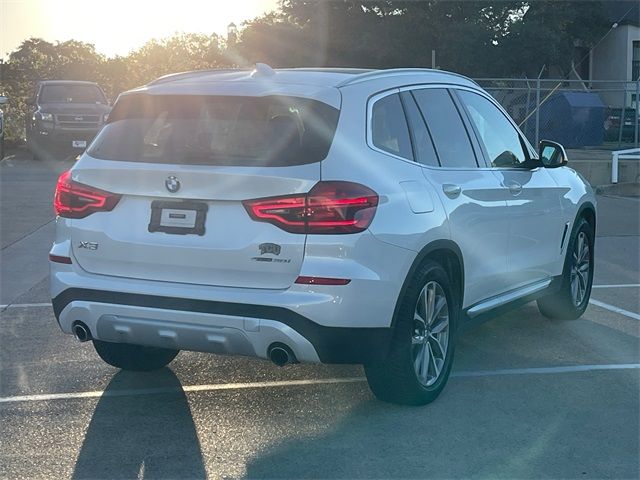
column 184, row 166
column 472, row 196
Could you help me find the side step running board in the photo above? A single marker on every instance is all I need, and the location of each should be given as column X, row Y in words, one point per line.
column 507, row 297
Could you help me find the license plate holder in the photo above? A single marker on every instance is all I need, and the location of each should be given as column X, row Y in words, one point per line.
column 178, row 218
column 79, row 143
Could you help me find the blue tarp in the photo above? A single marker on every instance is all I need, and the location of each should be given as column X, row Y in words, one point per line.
column 574, row 119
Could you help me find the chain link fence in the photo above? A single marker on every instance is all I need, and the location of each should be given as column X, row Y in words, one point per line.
column 578, row 114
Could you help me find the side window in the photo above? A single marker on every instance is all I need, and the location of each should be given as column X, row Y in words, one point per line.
column 422, row 142
column 389, row 131
column 499, row 137
column 447, row 129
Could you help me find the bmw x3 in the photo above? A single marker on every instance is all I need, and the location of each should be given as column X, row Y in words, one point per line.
column 315, row 215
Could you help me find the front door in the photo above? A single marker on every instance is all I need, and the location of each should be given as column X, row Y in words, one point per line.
column 536, row 224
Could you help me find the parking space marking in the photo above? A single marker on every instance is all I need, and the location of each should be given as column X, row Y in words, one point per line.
column 293, row 383
column 615, row 309
column 187, row 388
column 626, row 285
column 25, row 305
column 547, row 370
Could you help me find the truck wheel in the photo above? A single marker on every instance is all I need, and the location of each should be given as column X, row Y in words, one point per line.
column 572, row 299
column 33, row 148
column 421, row 352
column 134, row 357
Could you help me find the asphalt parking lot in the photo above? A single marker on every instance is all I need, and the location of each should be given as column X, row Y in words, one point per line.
column 529, row 397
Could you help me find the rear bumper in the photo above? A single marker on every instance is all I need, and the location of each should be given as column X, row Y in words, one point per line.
column 215, row 327
column 65, row 136
column 331, row 324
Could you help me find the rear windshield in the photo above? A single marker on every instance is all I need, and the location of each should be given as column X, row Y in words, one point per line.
column 72, row 94
column 217, row 130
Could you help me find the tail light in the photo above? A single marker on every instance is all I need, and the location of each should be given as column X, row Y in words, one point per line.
column 328, row 208
column 75, row 200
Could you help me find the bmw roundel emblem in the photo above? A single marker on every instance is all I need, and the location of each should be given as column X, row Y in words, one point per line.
column 172, row 183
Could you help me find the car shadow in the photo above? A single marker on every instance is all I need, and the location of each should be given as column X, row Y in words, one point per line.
column 512, row 426
column 469, row 432
column 141, row 436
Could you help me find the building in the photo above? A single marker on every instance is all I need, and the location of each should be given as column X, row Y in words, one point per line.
column 617, row 57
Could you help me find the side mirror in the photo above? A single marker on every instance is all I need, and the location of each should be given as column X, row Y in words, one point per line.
column 3, row 100
column 552, row 154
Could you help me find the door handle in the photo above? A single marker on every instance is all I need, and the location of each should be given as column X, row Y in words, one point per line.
column 514, row 187
column 451, row 191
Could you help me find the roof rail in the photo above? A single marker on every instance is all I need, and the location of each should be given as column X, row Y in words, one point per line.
column 394, row 72
column 192, row 73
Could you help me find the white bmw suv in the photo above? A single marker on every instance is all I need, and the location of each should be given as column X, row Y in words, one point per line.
column 315, row 215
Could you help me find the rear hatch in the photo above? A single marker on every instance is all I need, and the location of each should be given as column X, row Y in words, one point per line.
column 183, row 165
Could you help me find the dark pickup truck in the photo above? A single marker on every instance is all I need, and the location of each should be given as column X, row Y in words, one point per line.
column 64, row 113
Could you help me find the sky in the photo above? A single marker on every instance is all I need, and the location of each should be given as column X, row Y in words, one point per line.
column 116, row 27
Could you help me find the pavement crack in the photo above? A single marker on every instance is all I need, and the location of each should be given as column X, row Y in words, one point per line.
column 27, row 234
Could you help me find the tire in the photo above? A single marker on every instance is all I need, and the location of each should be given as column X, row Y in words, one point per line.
column 402, row 378
column 134, row 357
column 33, row 148
column 567, row 303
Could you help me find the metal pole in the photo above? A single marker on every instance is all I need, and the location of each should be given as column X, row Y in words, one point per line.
column 622, row 116
column 527, row 130
column 538, row 110
column 637, row 108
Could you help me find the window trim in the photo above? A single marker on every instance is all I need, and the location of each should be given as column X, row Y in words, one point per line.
column 475, row 147
column 369, row 131
column 529, row 151
column 445, row 86
column 475, row 144
column 523, row 144
column 405, row 100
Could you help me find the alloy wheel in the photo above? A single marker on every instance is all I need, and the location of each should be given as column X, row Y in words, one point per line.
column 430, row 338
column 580, row 266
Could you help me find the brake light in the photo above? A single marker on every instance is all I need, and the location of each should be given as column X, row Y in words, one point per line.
column 329, row 208
column 75, row 200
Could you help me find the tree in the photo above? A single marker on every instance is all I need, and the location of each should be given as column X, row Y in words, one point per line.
column 381, row 34
column 179, row 53
column 478, row 38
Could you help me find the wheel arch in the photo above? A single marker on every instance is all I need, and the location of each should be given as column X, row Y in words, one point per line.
column 587, row 211
column 448, row 254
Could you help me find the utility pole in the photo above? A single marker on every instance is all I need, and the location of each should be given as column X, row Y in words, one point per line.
column 637, row 106
column 538, row 106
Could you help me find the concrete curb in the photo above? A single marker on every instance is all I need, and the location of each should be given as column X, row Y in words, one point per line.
column 619, row 189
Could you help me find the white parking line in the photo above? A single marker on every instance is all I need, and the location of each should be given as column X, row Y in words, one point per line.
column 293, row 383
column 25, row 305
column 187, row 388
column 615, row 309
column 626, row 285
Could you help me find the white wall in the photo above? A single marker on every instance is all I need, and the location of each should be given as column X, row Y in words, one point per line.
column 611, row 60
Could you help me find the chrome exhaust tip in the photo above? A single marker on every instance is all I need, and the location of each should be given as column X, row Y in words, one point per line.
column 81, row 332
column 281, row 355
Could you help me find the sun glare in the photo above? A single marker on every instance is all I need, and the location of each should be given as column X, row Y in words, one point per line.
column 118, row 26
